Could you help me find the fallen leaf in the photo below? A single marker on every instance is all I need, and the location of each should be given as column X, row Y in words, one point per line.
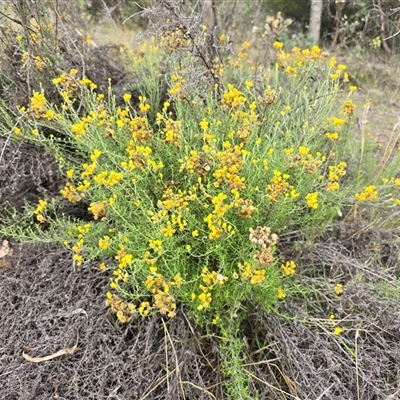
column 5, row 263
column 69, row 350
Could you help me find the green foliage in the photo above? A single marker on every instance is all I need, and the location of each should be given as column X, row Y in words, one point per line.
column 363, row 24
column 237, row 379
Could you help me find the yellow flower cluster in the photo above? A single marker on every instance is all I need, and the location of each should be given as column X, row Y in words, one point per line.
column 279, row 186
column 104, row 242
column 38, row 105
column 39, row 211
column 289, row 268
column 170, row 129
column 349, row 108
column 338, row 289
column 143, row 106
column 98, row 209
column 164, row 301
column 79, row 128
column 175, row 39
column 312, row 200
column 175, row 221
column 198, row 163
column 108, row 178
column 156, row 246
column 139, row 156
column 268, row 98
column 124, row 310
column 369, row 193
column 87, row 82
column 177, row 85
column 253, row 275
column 215, row 223
column 78, row 248
column 242, row 54
column 40, row 63
column 123, row 257
column 233, row 98
column 281, row 294
column 339, row 70
column 145, row 308
column 70, row 192
column 247, row 122
column 141, row 52
column 139, row 128
column 335, row 173
column 67, row 83
column 120, row 274
column 211, row 279
column 177, row 201
column 297, row 58
column 121, row 118
column 230, row 163
column 89, row 169
column 304, row 158
column 332, row 136
column 338, row 329
column 336, row 122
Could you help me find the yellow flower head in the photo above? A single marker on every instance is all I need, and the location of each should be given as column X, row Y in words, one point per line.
column 338, row 330
column 338, row 288
column 281, row 293
column 312, row 200
column 127, row 97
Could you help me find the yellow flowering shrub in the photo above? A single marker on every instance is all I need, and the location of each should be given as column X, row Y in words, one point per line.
column 187, row 198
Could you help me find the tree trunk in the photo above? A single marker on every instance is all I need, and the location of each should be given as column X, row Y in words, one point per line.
column 211, row 20
column 315, row 20
column 382, row 29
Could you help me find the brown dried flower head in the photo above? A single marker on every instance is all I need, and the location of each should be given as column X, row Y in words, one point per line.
column 262, row 236
column 264, row 257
